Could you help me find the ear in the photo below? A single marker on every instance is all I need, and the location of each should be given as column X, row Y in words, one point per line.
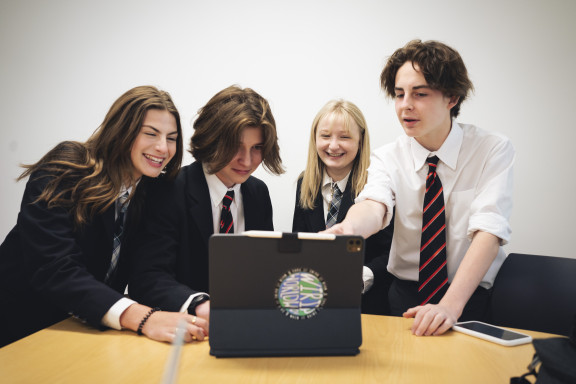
column 453, row 101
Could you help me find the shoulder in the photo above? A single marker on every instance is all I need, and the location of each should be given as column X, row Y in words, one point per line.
column 393, row 149
column 299, row 182
column 69, row 149
column 477, row 134
column 254, row 185
column 193, row 171
column 476, row 138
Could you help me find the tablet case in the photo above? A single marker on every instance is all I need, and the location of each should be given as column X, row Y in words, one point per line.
column 285, row 296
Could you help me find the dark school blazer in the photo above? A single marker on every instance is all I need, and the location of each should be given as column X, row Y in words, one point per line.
column 171, row 261
column 375, row 301
column 50, row 269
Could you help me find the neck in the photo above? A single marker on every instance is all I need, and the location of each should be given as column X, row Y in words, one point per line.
column 434, row 141
column 337, row 175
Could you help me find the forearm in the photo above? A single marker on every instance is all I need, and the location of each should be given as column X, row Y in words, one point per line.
column 474, row 266
column 364, row 219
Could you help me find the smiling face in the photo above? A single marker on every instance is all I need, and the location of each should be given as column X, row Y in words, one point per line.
column 155, row 144
column 423, row 112
column 247, row 159
column 336, row 146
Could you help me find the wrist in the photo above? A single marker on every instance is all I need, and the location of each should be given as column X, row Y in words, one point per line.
column 131, row 317
column 196, row 301
column 145, row 319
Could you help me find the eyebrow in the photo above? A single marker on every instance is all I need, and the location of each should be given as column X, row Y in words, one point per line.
column 424, row 86
column 157, row 131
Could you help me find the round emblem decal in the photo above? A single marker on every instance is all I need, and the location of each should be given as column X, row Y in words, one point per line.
column 301, row 293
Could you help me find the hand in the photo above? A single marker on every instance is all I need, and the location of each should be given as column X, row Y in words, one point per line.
column 342, row 228
column 203, row 310
column 431, row 319
column 162, row 326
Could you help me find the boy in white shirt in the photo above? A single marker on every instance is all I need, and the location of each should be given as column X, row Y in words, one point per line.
column 461, row 238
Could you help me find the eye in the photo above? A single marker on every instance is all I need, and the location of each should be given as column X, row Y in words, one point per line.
column 149, row 133
column 258, row 147
column 400, row 96
column 421, row 94
column 172, row 138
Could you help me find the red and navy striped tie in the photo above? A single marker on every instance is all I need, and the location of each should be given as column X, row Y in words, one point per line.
column 433, row 275
column 226, row 221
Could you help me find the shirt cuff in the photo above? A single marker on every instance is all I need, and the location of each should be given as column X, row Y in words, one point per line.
column 184, row 307
column 367, row 278
column 112, row 318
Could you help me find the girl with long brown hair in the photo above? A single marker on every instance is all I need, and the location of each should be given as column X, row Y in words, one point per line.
column 67, row 253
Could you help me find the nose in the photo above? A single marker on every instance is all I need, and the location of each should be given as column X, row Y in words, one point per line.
column 244, row 157
column 334, row 144
column 407, row 102
column 162, row 145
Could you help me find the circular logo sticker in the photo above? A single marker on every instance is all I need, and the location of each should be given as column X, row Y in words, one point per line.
column 301, row 293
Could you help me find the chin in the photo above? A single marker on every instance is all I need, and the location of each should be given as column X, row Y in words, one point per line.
column 152, row 174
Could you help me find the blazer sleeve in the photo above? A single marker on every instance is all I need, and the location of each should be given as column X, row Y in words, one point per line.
column 57, row 264
column 155, row 255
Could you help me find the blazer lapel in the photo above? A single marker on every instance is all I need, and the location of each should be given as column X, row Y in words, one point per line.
column 198, row 200
column 108, row 222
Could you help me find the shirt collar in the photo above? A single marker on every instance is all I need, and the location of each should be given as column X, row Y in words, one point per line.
column 217, row 188
column 125, row 190
column 448, row 152
column 327, row 181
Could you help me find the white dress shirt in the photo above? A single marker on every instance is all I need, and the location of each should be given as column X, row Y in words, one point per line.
column 217, row 191
column 475, row 168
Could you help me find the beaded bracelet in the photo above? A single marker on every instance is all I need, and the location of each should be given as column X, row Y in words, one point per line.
column 145, row 319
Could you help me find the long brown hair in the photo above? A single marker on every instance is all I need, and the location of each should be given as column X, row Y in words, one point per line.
column 312, row 175
column 219, row 125
column 86, row 178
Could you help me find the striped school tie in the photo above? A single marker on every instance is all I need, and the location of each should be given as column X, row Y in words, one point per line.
column 334, row 206
column 433, row 273
column 121, row 207
column 226, row 220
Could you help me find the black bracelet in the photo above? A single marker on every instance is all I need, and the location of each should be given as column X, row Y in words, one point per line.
column 145, row 319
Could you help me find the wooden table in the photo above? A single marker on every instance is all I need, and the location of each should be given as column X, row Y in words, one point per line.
column 71, row 352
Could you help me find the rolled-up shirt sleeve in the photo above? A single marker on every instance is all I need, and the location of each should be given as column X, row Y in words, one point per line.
column 492, row 205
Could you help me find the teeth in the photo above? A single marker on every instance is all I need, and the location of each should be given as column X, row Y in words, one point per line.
column 335, row 154
column 155, row 159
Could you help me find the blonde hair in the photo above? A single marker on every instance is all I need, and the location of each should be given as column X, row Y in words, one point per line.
column 312, row 175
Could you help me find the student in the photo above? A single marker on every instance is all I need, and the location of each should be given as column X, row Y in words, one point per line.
column 459, row 230
column 58, row 258
column 233, row 133
column 338, row 157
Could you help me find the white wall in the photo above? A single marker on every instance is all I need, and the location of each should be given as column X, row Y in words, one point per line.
column 63, row 63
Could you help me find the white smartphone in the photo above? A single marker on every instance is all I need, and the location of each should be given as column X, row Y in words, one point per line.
column 492, row 333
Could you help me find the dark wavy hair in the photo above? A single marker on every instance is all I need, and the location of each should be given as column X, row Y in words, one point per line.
column 442, row 67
